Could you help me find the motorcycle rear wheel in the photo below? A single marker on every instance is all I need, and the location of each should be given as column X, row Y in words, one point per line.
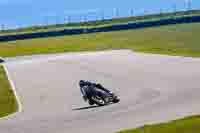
column 99, row 101
column 91, row 102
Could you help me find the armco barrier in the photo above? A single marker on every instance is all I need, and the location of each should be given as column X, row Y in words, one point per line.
column 135, row 25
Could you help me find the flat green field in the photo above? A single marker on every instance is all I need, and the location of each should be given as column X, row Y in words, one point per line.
column 182, row 39
column 8, row 103
column 187, row 125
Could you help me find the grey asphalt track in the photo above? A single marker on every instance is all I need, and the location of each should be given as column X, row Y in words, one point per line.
column 152, row 88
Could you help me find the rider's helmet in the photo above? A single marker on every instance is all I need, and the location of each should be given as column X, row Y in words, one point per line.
column 81, row 83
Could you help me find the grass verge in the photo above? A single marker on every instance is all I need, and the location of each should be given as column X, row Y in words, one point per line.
column 186, row 125
column 8, row 102
column 181, row 39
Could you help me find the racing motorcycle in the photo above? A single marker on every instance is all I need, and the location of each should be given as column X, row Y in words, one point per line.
column 102, row 98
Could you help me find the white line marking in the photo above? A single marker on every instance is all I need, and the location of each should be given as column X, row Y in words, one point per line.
column 15, row 93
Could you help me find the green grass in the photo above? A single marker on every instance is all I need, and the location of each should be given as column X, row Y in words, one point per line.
column 8, row 103
column 101, row 23
column 181, row 39
column 187, row 125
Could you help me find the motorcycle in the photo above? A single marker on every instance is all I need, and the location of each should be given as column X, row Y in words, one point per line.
column 103, row 98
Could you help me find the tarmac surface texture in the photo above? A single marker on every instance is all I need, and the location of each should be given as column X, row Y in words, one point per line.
column 152, row 88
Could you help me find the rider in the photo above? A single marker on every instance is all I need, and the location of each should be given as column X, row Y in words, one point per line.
column 88, row 89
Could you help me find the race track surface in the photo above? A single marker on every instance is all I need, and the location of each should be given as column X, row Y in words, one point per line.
column 152, row 88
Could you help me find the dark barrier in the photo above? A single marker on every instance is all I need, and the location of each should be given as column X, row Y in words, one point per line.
column 135, row 25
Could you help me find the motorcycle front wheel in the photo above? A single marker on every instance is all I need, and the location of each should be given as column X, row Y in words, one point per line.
column 116, row 100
